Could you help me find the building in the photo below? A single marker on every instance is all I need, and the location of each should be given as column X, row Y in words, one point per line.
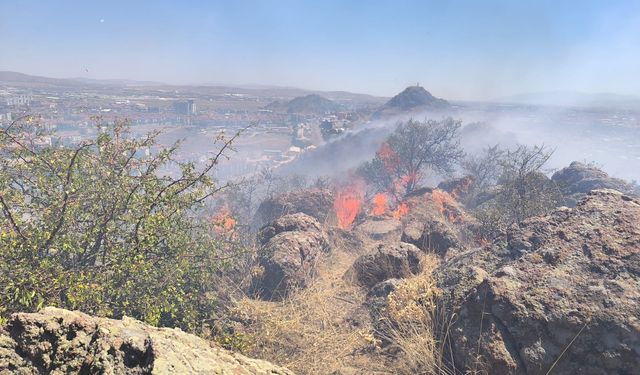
column 19, row 100
column 185, row 107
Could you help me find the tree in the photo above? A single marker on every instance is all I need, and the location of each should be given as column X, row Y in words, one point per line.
column 526, row 190
column 523, row 190
column 485, row 169
column 104, row 228
column 413, row 149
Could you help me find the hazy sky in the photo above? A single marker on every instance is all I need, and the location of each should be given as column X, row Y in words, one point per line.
column 457, row 49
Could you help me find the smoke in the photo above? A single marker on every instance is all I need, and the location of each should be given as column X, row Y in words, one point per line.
column 608, row 138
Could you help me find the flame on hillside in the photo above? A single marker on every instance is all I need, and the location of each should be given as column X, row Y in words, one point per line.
column 348, row 203
column 223, row 222
column 379, row 204
column 463, row 187
column 398, row 188
column 401, row 210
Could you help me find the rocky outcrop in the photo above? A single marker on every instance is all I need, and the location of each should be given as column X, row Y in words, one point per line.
column 435, row 222
column 388, row 261
column 56, row 341
column 380, row 228
column 576, row 180
column 290, row 247
column 560, row 292
column 317, row 203
column 434, row 236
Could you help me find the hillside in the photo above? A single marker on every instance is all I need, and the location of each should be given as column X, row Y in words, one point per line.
column 413, row 98
column 312, row 103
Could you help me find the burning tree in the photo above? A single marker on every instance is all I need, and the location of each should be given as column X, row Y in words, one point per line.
column 413, row 149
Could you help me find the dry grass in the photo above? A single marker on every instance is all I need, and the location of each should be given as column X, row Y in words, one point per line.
column 325, row 329
column 320, row 330
column 414, row 327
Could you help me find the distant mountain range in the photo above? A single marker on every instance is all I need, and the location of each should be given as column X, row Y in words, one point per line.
column 15, row 77
column 286, row 93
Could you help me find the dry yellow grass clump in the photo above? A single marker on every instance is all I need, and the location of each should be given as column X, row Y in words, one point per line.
column 414, row 326
column 320, row 330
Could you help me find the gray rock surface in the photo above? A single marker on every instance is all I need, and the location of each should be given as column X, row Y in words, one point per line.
column 560, row 292
column 317, row 203
column 576, row 180
column 57, row 341
column 290, row 248
column 388, row 261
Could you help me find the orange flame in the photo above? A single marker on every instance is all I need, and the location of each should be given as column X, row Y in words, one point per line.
column 445, row 203
column 379, row 204
column 401, row 210
column 223, row 222
column 463, row 187
column 389, row 158
column 347, row 204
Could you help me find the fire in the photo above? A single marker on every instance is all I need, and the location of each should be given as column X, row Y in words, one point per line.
column 389, row 158
column 347, row 204
column 379, row 204
column 223, row 222
column 463, row 187
column 401, row 210
column 446, row 204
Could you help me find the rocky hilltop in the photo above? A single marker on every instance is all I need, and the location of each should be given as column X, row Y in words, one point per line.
column 56, row 341
column 412, row 99
column 407, row 293
column 559, row 292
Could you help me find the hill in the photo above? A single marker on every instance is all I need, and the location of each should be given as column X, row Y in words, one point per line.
column 414, row 97
column 311, row 103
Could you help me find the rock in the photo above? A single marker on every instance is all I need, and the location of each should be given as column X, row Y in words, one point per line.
column 317, row 203
column 380, row 228
column 57, row 341
column 578, row 179
column 287, row 258
column 388, row 261
column 559, row 291
column 458, row 187
column 432, row 236
column 435, row 222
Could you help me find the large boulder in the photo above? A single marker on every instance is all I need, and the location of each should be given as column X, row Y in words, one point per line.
column 287, row 258
column 559, row 292
column 576, row 180
column 431, row 236
column 56, row 341
column 317, row 203
column 436, row 222
column 388, row 261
